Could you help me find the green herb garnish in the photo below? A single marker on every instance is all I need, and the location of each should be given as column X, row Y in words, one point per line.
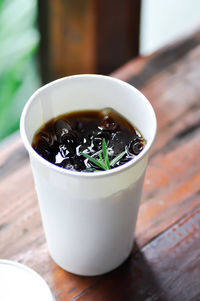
column 117, row 158
column 103, row 162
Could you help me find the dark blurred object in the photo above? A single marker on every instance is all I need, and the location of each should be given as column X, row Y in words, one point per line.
column 87, row 36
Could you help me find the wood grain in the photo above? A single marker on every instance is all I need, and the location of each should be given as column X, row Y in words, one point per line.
column 162, row 270
column 12, row 157
column 164, row 264
column 141, row 70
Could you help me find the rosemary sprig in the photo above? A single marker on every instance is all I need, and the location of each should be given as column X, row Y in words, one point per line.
column 105, row 153
column 93, row 160
column 117, row 158
column 103, row 162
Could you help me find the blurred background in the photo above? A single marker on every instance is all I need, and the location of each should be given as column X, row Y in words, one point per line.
column 19, row 75
column 45, row 39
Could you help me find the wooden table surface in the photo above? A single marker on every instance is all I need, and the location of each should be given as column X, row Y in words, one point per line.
column 165, row 262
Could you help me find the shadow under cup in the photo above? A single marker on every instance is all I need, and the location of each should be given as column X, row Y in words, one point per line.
column 88, row 218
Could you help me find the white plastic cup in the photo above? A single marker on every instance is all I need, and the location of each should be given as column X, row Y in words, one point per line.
column 89, row 218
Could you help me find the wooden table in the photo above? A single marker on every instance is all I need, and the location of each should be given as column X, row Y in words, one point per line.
column 165, row 262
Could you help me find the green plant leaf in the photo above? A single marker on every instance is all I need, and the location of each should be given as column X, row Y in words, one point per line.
column 18, row 72
column 102, row 161
column 116, row 159
column 90, row 169
column 93, row 160
column 105, row 153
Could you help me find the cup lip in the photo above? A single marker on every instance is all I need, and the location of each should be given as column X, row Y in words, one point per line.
column 63, row 171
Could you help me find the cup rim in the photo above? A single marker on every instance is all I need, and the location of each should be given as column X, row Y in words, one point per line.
column 64, row 171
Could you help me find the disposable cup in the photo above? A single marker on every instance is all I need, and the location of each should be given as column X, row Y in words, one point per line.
column 88, row 218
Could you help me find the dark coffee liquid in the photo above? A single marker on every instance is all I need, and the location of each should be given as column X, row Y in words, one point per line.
column 62, row 140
